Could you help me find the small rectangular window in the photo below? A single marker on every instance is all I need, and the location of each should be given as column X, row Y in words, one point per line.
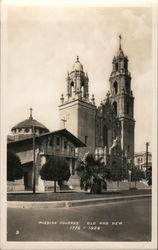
column 58, row 141
column 65, row 144
column 51, row 142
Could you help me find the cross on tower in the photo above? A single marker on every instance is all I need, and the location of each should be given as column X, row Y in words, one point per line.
column 64, row 120
column 31, row 113
column 120, row 37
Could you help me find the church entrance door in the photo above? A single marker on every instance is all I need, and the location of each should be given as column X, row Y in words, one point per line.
column 27, row 167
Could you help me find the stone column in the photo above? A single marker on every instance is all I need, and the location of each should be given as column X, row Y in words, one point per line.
column 40, row 187
column 40, row 182
column 70, row 165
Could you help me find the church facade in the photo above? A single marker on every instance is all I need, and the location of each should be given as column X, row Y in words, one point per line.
column 111, row 124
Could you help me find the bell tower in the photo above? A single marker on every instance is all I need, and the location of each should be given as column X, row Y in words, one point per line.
column 123, row 101
column 76, row 112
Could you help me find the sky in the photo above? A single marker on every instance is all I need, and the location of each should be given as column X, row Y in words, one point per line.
column 42, row 46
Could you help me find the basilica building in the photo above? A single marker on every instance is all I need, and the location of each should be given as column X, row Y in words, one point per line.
column 107, row 130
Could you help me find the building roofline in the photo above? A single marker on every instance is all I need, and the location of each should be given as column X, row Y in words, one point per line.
column 141, row 153
column 78, row 143
column 79, row 100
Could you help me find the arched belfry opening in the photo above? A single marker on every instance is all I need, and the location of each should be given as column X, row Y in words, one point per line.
column 127, row 87
column 115, row 107
column 71, row 88
column 82, row 88
column 116, row 66
column 105, row 135
column 115, row 88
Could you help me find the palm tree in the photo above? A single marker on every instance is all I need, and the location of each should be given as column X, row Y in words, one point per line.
column 91, row 172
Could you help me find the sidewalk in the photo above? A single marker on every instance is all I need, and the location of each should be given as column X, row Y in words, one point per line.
column 73, row 203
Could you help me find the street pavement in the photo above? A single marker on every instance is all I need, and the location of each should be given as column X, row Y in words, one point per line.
column 128, row 220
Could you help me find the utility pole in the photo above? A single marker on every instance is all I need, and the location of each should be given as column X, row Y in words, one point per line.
column 34, row 164
column 147, row 145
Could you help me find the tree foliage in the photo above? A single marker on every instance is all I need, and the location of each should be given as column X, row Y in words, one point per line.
column 55, row 169
column 14, row 169
column 92, row 173
column 118, row 170
column 136, row 174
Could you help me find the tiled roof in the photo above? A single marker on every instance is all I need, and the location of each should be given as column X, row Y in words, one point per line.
column 11, row 138
column 77, row 143
column 29, row 123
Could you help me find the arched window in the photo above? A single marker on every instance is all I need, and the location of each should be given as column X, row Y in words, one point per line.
column 115, row 108
column 127, row 108
column 71, row 88
column 116, row 66
column 26, row 130
column 82, row 91
column 115, row 85
column 105, row 136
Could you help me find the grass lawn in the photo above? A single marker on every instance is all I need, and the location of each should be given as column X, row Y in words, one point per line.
column 70, row 195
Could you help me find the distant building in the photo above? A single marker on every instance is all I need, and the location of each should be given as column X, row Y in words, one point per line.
column 99, row 127
column 140, row 160
column 60, row 142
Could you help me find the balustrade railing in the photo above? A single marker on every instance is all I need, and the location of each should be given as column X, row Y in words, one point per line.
column 59, row 152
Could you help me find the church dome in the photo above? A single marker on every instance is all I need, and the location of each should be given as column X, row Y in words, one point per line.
column 77, row 65
column 29, row 123
column 26, row 126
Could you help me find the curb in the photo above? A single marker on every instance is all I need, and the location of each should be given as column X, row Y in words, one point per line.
column 74, row 203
